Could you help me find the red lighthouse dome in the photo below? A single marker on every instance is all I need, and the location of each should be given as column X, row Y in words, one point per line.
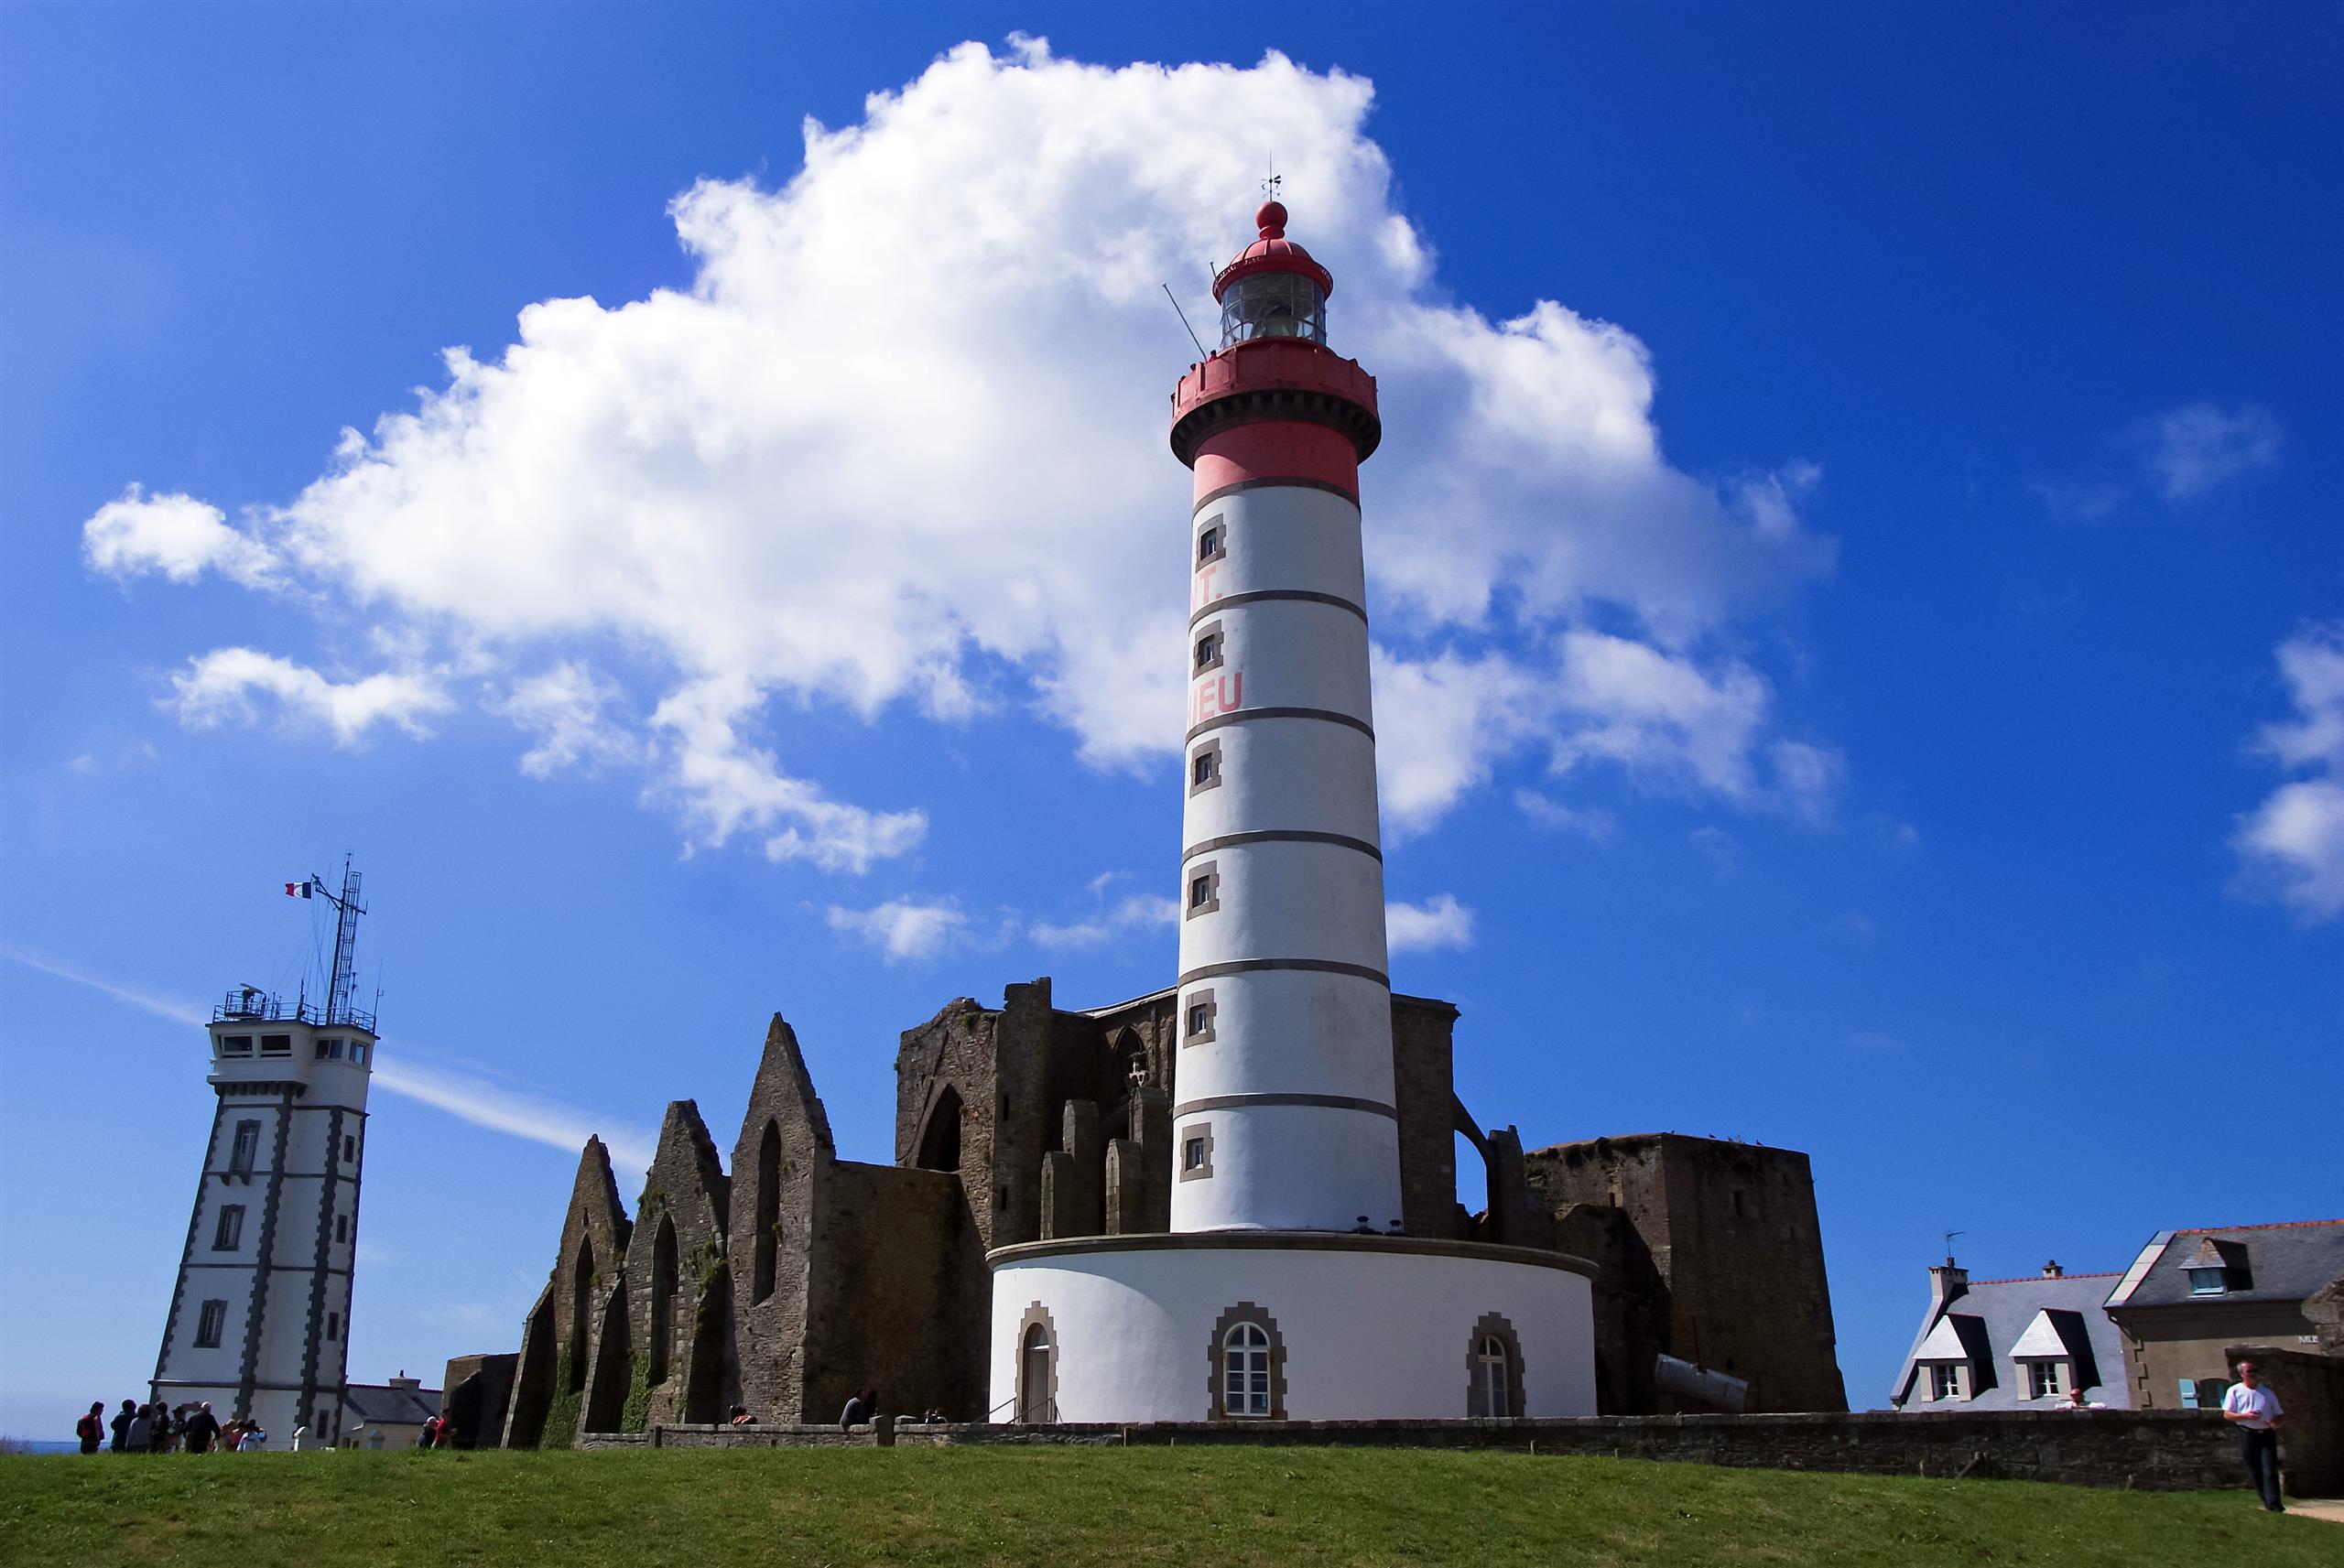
column 1273, row 253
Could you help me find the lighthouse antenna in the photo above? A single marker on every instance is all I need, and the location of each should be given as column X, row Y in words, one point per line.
column 1183, row 321
column 343, row 978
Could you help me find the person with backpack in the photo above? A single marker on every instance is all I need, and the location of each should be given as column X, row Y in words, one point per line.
column 92, row 1428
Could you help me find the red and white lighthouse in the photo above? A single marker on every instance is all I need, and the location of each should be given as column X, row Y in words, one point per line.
column 1284, row 1117
column 1285, row 1288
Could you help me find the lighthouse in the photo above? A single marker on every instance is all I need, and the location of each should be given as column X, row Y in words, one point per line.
column 259, row 1320
column 1286, row 1288
column 1284, row 1119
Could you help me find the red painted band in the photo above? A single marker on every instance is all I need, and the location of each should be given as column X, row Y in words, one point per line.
column 1269, row 450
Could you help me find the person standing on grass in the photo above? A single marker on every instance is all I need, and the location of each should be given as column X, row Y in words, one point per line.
column 140, row 1435
column 200, row 1429
column 2254, row 1410
column 159, row 1430
column 122, row 1420
column 92, row 1428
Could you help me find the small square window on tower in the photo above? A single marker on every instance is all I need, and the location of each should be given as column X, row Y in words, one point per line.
column 208, row 1324
column 1195, row 1152
column 1204, row 767
column 1204, row 889
column 1212, row 540
column 1210, row 648
column 230, row 1233
column 1197, row 1018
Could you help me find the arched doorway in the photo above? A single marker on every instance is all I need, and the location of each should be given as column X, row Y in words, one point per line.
column 768, row 1235
column 663, row 1299
column 582, row 1314
column 939, row 1140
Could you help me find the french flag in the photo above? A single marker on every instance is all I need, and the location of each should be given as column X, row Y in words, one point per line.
column 299, row 890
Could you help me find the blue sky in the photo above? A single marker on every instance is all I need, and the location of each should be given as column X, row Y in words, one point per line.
column 1856, row 559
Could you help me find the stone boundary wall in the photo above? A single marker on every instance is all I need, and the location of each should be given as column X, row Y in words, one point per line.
column 2151, row 1450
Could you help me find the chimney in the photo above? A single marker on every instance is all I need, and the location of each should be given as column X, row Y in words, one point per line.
column 1947, row 1281
column 404, row 1381
column 2051, row 1269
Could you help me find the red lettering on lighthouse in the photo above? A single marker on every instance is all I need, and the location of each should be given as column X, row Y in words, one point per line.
column 1215, row 695
column 1203, row 592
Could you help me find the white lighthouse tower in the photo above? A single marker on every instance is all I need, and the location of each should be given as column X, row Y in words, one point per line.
column 1285, row 1288
column 259, row 1322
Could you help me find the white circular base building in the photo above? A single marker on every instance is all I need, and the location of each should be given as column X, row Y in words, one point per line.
column 1289, row 1325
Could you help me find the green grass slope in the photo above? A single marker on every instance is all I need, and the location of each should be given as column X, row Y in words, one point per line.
column 1075, row 1507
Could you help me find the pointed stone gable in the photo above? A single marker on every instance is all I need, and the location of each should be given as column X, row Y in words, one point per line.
column 679, row 1290
column 783, row 1152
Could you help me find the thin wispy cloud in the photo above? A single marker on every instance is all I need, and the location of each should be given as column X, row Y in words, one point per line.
column 520, row 1112
column 2189, row 452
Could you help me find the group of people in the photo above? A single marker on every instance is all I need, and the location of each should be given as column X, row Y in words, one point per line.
column 158, row 1429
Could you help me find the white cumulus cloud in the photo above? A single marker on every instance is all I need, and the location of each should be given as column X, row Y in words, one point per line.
column 2293, row 843
column 222, row 685
column 177, row 535
column 1439, row 922
column 898, row 445
column 902, row 929
column 1131, row 913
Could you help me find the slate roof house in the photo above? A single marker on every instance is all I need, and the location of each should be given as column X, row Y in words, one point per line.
column 387, row 1416
column 2023, row 1343
column 2192, row 1294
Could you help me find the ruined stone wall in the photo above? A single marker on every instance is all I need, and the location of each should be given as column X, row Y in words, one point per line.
column 1631, row 1303
column 549, row 1392
column 992, row 1070
column 900, row 1299
column 2310, row 1388
column 475, row 1394
column 1425, row 1094
column 784, row 1147
column 679, row 1294
column 1732, row 1233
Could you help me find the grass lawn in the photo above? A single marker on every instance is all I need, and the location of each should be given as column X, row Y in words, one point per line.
column 1074, row 1508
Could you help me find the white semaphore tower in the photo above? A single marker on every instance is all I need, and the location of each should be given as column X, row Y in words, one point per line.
column 259, row 1322
column 1285, row 1288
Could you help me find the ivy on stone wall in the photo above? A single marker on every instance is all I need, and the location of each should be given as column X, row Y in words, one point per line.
column 637, row 1409
column 561, row 1415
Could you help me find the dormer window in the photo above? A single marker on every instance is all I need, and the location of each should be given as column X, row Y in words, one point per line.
column 1948, row 1381
column 2213, row 1281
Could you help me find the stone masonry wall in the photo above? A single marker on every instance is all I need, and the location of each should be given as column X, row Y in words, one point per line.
column 2149, row 1450
column 1732, row 1234
column 901, row 1300
column 1425, row 1094
column 679, row 1287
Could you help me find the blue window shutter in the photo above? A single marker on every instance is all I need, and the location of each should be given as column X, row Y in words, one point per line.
column 2189, row 1393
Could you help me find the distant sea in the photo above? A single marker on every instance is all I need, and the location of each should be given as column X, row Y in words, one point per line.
column 37, row 1446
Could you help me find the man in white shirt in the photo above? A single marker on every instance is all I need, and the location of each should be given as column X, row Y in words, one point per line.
column 2254, row 1410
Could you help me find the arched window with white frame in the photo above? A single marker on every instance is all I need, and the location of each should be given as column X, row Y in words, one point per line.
column 1245, row 1371
column 1248, row 1380
column 1494, row 1370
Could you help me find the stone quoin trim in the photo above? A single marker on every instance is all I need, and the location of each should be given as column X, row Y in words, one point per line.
column 1245, row 1311
column 1247, row 715
column 1249, row 1102
column 1200, row 1000
column 1208, row 758
column 1038, row 1316
column 1260, row 595
column 1253, row 965
column 1201, row 1135
column 257, row 1312
column 1281, row 835
column 1208, row 497
column 1494, row 1326
column 1208, row 648
column 1199, row 890
column 1216, row 548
